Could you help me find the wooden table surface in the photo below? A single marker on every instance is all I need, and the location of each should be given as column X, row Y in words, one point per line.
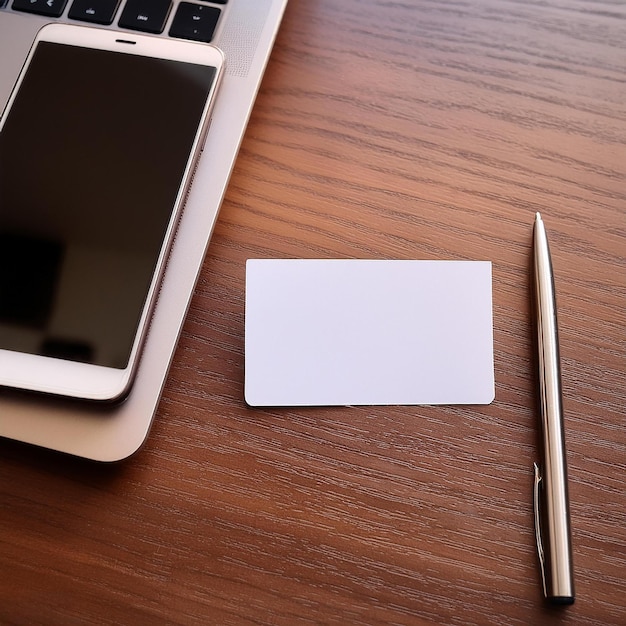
column 414, row 129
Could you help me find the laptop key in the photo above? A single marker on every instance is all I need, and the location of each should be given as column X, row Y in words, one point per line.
column 145, row 15
column 51, row 8
column 95, row 11
column 195, row 22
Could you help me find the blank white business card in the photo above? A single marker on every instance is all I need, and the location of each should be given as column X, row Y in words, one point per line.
column 368, row 332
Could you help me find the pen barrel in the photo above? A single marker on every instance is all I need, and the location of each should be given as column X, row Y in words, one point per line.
column 554, row 499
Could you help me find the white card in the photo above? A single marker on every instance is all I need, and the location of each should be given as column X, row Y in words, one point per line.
column 361, row 332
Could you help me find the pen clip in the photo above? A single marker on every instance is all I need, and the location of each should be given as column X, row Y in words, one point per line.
column 536, row 504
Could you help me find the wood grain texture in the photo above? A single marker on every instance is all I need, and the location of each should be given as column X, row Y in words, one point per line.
column 413, row 129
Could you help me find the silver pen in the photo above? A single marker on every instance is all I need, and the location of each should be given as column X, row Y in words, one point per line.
column 551, row 502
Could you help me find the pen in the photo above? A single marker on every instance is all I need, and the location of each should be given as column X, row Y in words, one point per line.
column 551, row 502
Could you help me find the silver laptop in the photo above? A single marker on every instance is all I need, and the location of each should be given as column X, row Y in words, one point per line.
column 245, row 31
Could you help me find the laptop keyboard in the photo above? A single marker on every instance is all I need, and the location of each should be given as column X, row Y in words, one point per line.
column 196, row 21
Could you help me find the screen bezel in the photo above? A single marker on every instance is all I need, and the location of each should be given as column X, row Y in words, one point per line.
column 81, row 380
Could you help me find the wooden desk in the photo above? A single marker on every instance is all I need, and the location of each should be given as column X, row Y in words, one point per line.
column 412, row 129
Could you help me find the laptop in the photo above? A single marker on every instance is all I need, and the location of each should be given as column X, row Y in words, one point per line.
column 245, row 31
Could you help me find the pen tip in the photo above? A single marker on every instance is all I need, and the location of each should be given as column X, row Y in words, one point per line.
column 537, row 216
